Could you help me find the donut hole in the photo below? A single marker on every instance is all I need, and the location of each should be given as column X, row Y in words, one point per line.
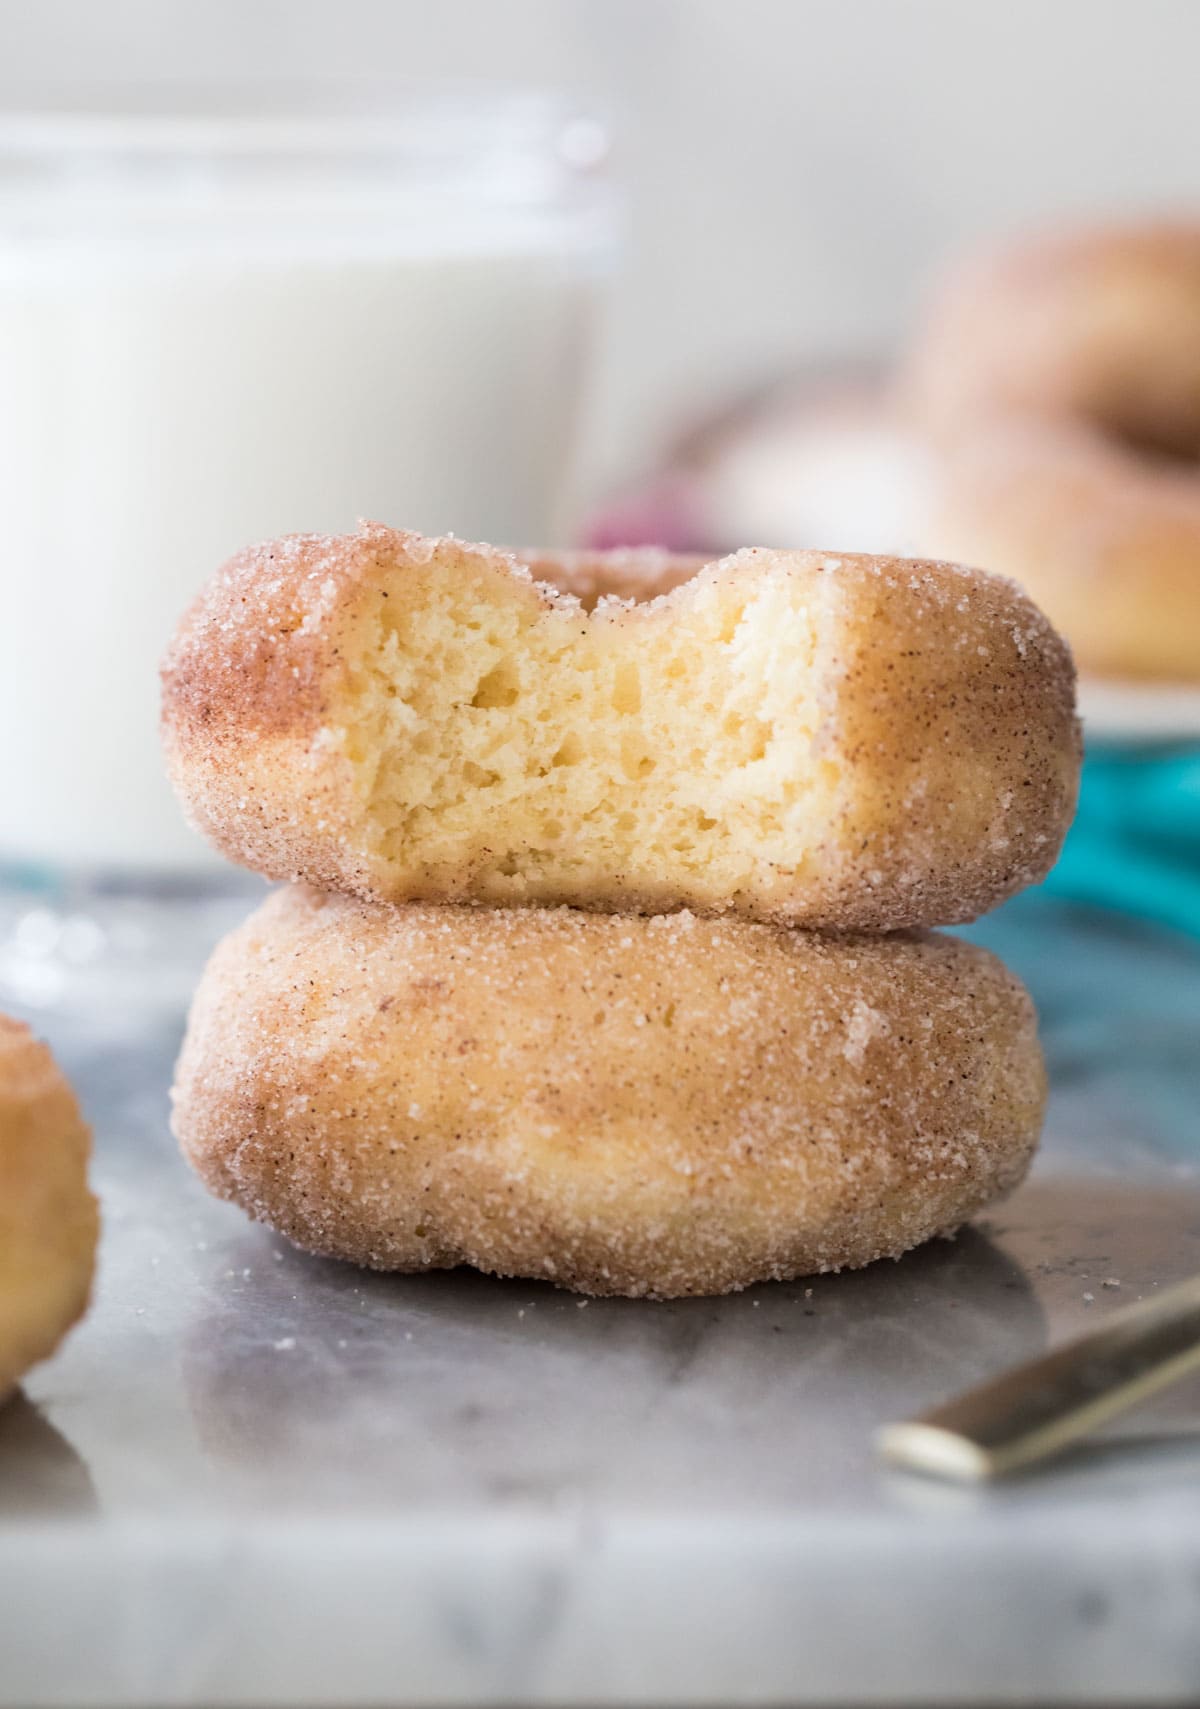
column 1173, row 443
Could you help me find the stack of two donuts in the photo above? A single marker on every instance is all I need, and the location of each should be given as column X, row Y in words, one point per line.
column 604, row 954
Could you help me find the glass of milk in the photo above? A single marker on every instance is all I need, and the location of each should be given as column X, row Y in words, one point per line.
column 215, row 329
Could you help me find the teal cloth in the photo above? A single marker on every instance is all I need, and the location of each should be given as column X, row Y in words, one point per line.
column 1135, row 843
column 1118, row 1004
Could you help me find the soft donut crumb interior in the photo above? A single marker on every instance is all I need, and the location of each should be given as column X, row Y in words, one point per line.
column 552, row 747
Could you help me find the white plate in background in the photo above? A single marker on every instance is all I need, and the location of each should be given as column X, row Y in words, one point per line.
column 1136, row 711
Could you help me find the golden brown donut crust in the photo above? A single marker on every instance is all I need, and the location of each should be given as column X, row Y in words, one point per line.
column 645, row 1106
column 1061, row 379
column 1099, row 325
column 899, row 749
column 48, row 1218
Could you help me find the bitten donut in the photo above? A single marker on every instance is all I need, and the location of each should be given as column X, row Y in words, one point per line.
column 1062, row 381
column 48, row 1218
column 620, row 1105
column 851, row 742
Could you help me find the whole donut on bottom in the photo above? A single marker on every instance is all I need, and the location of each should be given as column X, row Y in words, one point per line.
column 48, row 1218
column 658, row 1106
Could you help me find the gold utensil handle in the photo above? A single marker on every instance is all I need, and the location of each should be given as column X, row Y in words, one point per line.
column 1035, row 1409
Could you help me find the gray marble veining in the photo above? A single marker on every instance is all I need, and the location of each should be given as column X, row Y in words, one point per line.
column 258, row 1478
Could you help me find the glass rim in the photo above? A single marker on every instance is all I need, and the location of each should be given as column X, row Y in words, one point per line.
column 437, row 122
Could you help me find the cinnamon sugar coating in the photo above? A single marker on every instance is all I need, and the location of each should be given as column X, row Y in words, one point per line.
column 827, row 740
column 645, row 1106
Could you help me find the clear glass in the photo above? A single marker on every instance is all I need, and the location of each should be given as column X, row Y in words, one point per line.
column 215, row 328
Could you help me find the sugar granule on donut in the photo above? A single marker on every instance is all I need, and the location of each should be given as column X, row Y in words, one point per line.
column 659, row 1106
column 48, row 1218
column 826, row 740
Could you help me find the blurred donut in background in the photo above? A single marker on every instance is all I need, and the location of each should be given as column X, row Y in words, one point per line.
column 1044, row 424
column 1060, row 381
column 818, row 459
column 1100, row 327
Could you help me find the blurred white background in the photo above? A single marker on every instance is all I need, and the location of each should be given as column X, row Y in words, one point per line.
column 793, row 167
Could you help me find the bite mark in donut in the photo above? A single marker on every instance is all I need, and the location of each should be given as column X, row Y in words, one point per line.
column 820, row 739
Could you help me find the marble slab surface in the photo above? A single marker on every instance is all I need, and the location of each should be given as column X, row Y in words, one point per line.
column 255, row 1478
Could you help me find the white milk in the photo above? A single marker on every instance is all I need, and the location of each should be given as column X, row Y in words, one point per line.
column 185, row 369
